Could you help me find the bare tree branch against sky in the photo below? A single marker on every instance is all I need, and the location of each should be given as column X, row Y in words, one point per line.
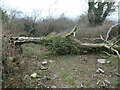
column 54, row 8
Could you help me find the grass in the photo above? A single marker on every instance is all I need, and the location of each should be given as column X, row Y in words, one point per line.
column 114, row 80
column 113, row 60
column 38, row 51
column 67, row 57
column 43, row 54
column 72, row 69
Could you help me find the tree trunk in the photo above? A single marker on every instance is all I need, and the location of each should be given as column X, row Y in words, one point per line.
column 97, row 12
column 18, row 41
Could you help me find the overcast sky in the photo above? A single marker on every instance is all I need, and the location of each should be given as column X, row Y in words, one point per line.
column 45, row 8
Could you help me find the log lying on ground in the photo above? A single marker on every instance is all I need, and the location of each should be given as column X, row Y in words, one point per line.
column 18, row 41
column 88, row 45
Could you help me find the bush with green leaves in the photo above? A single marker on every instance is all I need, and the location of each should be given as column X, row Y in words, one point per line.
column 59, row 44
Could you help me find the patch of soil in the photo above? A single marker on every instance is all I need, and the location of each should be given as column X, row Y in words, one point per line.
column 65, row 72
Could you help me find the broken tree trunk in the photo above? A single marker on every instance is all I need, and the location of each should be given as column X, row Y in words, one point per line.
column 88, row 45
column 18, row 41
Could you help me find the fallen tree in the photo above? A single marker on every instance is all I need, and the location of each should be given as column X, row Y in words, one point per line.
column 67, row 44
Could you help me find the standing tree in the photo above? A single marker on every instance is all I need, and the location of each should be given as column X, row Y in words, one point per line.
column 98, row 11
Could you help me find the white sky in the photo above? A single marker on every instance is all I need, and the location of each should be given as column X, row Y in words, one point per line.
column 44, row 8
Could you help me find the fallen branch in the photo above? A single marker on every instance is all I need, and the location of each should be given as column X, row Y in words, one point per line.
column 73, row 32
column 115, row 43
column 106, row 53
column 18, row 41
column 100, row 45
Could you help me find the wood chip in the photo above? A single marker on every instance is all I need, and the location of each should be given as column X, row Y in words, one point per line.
column 98, row 82
column 81, row 85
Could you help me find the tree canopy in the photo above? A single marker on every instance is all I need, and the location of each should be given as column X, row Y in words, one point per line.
column 98, row 11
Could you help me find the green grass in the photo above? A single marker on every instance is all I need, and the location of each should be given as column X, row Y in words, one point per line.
column 67, row 57
column 38, row 51
column 43, row 54
column 67, row 62
column 114, row 80
column 67, row 77
column 114, row 60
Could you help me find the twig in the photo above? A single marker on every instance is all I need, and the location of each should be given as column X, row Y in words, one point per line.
column 102, row 37
column 82, row 85
column 117, row 74
column 107, row 53
column 106, row 46
column 110, row 47
column 98, row 82
column 114, row 43
column 72, row 32
column 103, row 83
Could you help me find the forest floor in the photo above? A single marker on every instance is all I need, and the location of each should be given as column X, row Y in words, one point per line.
column 68, row 71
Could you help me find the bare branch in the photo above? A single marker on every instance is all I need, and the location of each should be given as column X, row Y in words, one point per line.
column 115, row 43
column 72, row 32
column 18, row 41
column 107, row 36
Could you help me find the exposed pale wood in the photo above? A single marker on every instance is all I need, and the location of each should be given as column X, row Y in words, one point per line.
column 18, row 41
column 72, row 33
column 111, row 28
column 100, row 45
column 115, row 43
